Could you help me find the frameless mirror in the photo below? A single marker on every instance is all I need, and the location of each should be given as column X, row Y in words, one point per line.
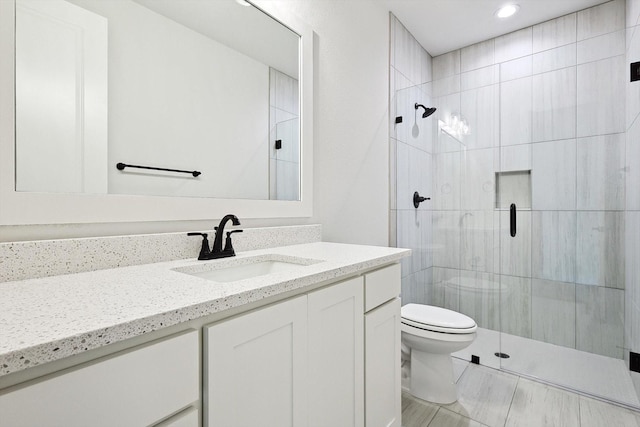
column 203, row 92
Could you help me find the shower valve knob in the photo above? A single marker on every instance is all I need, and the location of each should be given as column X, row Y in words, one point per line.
column 417, row 199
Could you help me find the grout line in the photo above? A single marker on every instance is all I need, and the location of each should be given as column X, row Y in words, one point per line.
column 434, row 417
column 579, row 411
column 633, row 122
column 512, row 398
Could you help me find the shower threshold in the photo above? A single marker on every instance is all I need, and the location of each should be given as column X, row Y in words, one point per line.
column 592, row 374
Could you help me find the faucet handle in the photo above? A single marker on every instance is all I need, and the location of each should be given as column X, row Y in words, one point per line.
column 228, row 246
column 204, row 250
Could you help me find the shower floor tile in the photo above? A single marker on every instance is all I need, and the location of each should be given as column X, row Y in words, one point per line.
column 492, row 398
column 597, row 375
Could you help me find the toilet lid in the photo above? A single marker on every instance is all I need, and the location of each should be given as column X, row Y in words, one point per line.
column 437, row 319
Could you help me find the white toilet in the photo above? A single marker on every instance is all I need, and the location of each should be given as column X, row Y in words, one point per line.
column 429, row 336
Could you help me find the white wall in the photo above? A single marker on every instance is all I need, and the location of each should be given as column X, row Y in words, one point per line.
column 351, row 181
column 351, row 162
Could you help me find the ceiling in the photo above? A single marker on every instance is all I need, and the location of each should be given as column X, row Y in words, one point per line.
column 441, row 26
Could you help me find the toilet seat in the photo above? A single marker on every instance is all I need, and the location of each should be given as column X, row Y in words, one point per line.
column 437, row 319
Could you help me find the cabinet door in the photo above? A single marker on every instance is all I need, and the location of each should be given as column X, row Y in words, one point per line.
column 336, row 354
column 132, row 388
column 382, row 366
column 256, row 366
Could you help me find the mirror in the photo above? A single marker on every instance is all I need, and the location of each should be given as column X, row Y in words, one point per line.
column 81, row 205
column 189, row 98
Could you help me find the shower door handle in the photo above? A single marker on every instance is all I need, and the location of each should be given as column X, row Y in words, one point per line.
column 513, row 219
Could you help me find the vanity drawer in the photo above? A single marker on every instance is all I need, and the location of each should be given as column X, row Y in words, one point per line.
column 133, row 388
column 381, row 286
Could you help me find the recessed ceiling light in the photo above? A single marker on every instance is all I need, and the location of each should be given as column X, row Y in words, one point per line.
column 507, row 11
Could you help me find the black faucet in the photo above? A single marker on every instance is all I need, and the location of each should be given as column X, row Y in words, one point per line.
column 217, row 243
column 217, row 251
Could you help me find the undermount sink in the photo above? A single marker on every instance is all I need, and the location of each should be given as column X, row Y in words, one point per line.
column 246, row 268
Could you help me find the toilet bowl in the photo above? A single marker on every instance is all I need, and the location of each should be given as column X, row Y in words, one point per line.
column 429, row 336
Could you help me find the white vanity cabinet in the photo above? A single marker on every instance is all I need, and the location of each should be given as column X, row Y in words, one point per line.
column 336, row 354
column 137, row 387
column 382, row 348
column 255, row 368
column 303, row 362
column 295, row 363
column 382, row 366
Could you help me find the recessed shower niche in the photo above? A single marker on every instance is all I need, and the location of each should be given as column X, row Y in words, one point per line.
column 513, row 187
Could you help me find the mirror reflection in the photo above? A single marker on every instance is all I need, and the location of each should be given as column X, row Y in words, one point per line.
column 166, row 84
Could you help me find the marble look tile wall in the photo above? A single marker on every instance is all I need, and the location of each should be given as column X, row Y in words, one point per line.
column 411, row 156
column 601, row 172
column 414, row 230
column 445, row 291
column 554, row 105
column 516, row 98
column 553, row 175
column 602, row 19
column 553, row 245
column 601, row 47
column 554, row 59
column 601, row 99
column 549, row 99
column 477, row 56
column 446, row 238
column 29, row 260
column 554, row 33
column 600, row 320
column 514, row 45
column 632, row 214
column 600, row 249
column 515, row 305
column 553, row 305
column 477, row 246
column 480, row 298
column 514, row 252
column 515, row 69
column 480, row 107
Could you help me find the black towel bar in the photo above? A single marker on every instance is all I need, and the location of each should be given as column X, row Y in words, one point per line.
column 121, row 166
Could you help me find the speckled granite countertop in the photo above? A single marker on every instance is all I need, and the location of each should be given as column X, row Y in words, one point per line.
column 46, row 319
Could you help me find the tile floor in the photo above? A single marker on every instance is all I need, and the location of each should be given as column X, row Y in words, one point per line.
column 492, row 398
column 608, row 377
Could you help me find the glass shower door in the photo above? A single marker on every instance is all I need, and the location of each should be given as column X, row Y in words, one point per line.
column 464, row 219
column 562, row 272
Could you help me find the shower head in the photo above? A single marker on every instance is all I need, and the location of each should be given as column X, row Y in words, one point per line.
column 427, row 111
